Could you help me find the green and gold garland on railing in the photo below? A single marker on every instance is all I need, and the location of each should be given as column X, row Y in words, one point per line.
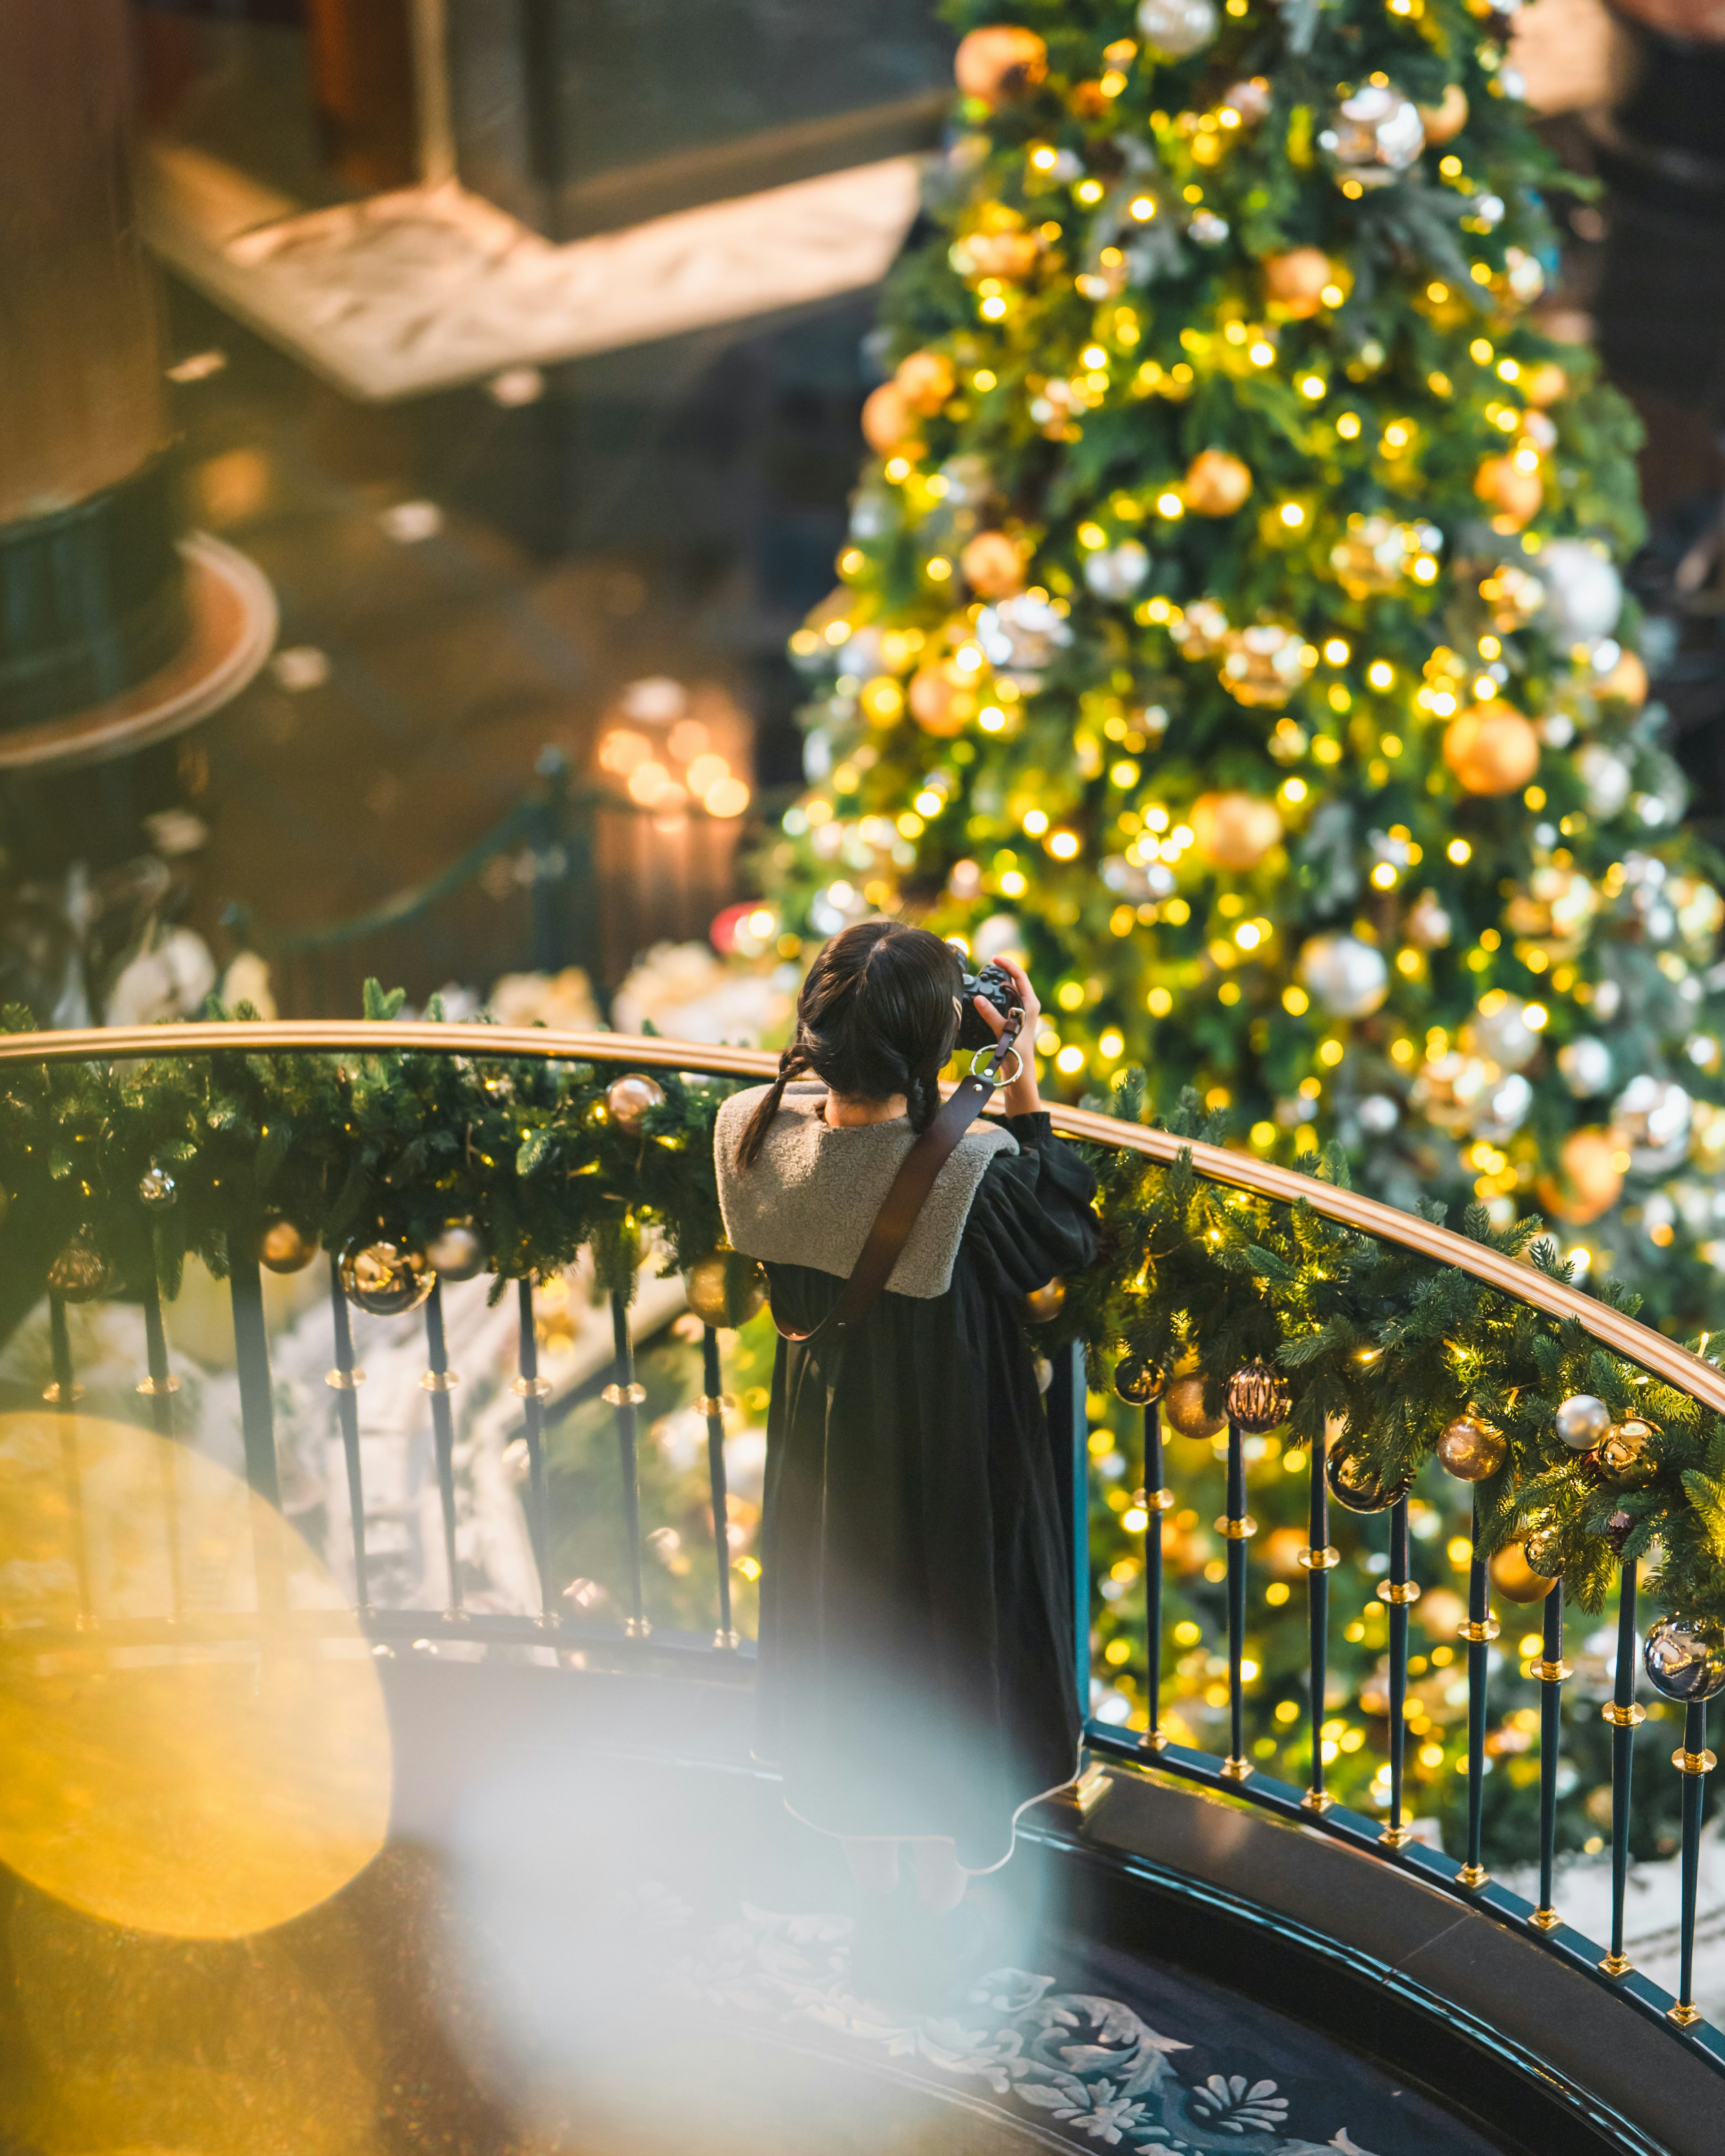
column 518, row 1163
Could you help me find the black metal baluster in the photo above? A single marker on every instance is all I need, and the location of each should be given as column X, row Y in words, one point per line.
column 1624, row 1713
column 1320, row 1559
column 1067, row 1408
column 1237, row 1526
column 63, row 1395
column 1399, row 1591
column 1479, row 1631
column 345, row 1381
column 534, row 1391
column 712, row 1406
column 1551, row 1670
column 440, row 1381
column 1695, row 1763
column 1157, row 1500
column 624, row 1395
column 159, row 1389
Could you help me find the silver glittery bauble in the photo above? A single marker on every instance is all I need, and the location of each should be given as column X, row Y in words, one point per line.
column 1583, row 593
column 1115, row 572
column 1585, row 1065
column 459, row 1253
column 1175, row 28
column 1685, row 1658
column 157, row 1189
column 631, row 1100
column 1501, row 1109
column 1021, row 634
column 384, row 1279
column 1651, row 1117
column 1582, row 1421
column 1374, row 134
column 1348, row 977
column 1605, row 776
column 1206, row 229
column 1502, row 1034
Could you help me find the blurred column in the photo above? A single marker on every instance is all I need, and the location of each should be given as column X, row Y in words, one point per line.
column 91, row 599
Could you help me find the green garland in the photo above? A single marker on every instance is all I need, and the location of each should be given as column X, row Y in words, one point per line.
column 1398, row 1347
column 354, row 1147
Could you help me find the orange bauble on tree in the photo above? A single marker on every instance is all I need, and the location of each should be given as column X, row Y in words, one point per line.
column 925, row 381
column 1295, row 282
column 1234, row 830
column 1589, row 1178
column 1514, row 493
column 992, row 565
column 1000, row 63
column 888, row 422
column 1491, row 748
column 1216, row 484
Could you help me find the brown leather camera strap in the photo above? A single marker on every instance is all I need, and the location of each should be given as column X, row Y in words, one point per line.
column 909, row 1188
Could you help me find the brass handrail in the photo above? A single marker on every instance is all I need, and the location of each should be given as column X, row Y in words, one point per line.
column 1637, row 1343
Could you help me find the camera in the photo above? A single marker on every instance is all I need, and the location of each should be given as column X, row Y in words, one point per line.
column 994, row 985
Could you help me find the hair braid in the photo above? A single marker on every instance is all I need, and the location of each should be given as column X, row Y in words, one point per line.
column 794, row 1059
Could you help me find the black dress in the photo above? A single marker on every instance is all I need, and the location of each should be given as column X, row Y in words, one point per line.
column 916, row 1663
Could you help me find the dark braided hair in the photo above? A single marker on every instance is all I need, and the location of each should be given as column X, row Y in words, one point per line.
column 876, row 1017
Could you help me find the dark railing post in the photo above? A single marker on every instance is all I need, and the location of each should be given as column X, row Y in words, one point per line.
column 1157, row 1500
column 440, row 1380
column 63, row 1396
column 1236, row 1526
column 1398, row 1591
column 712, row 1406
column 1695, row 1763
column 533, row 1391
column 1068, row 1435
column 623, row 1396
column 159, row 1389
column 1479, row 1631
column 1551, row 1670
column 1320, row 1560
column 1623, row 1712
column 345, row 1381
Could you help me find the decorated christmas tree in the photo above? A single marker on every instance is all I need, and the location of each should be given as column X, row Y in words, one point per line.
column 1231, row 621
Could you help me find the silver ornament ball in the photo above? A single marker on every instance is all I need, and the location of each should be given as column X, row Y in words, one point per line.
column 1582, row 1422
column 157, row 1189
column 1585, row 1065
column 1583, row 593
column 1501, row 1034
column 1374, row 135
column 1115, row 572
column 1650, row 1116
column 459, row 1253
column 1172, row 28
column 631, row 1100
column 1206, row 228
column 1685, row 1658
column 1346, row 977
column 1606, row 778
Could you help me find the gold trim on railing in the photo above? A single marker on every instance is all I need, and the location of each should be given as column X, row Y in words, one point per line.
column 1651, row 1351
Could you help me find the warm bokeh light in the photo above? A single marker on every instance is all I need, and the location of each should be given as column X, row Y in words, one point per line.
column 208, row 1788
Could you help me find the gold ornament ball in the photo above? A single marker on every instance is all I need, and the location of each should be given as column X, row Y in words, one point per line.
column 1043, row 1304
column 939, row 701
column 926, row 380
column 1216, row 484
column 725, row 1290
column 1513, row 1578
column 1544, row 384
column 1000, row 63
column 1589, row 1178
column 1258, row 1399
column 1184, row 1412
column 630, row 1100
column 1008, row 254
column 81, row 1273
column 1137, row 1380
column 1491, row 749
column 1445, row 121
column 888, row 422
column 1472, row 1449
column 385, row 1279
column 1516, row 495
column 1265, row 663
column 992, row 565
column 1234, row 830
column 287, row 1248
column 1295, row 282
column 1622, row 1447
column 1626, row 683
column 457, row 1253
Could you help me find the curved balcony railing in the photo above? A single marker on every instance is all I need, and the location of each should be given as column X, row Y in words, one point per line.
column 635, row 1543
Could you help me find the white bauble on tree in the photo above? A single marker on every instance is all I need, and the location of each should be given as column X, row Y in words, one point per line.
column 1172, row 28
column 1651, row 1118
column 1499, row 1031
column 1374, row 135
column 1583, row 593
column 1347, row 977
column 1585, row 1065
column 1115, row 572
column 1606, row 777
